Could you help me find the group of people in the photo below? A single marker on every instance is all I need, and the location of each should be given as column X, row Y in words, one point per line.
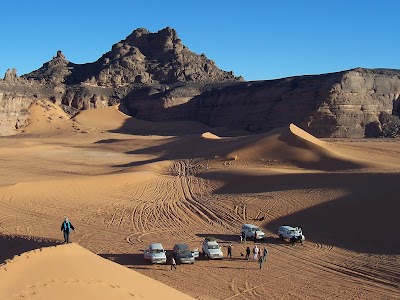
column 257, row 255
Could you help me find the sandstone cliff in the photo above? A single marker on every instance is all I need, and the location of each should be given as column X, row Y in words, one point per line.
column 159, row 79
column 343, row 104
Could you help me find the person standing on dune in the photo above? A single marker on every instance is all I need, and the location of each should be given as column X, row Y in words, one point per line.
column 66, row 227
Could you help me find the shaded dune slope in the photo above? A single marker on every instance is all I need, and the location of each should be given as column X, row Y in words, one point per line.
column 290, row 145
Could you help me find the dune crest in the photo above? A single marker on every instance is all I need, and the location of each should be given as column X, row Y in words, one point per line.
column 305, row 135
column 211, row 136
column 72, row 272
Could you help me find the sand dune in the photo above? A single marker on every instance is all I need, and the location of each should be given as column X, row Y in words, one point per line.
column 72, row 272
column 209, row 135
column 114, row 120
column 45, row 117
column 123, row 187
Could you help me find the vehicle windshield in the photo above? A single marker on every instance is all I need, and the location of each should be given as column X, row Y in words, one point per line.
column 213, row 247
column 255, row 229
column 184, row 252
column 157, row 251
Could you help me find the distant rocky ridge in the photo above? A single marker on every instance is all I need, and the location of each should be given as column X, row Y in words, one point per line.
column 159, row 79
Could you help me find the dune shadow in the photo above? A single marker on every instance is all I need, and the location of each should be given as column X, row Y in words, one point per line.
column 221, row 237
column 108, row 141
column 132, row 259
column 138, row 163
column 12, row 245
column 361, row 219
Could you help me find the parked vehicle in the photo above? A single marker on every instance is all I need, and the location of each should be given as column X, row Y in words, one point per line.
column 250, row 230
column 291, row 233
column 183, row 254
column 155, row 253
column 211, row 249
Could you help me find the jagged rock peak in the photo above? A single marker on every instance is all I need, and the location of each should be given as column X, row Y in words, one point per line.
column 11, row 75
column 54, row 71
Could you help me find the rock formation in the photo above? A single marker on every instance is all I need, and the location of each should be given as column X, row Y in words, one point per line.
column 160, row 79
column 343, row 104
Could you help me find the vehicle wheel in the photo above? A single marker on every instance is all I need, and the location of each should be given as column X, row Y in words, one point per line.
column 281, row 237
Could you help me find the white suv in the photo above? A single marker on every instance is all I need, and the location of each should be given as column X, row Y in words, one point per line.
column 155, row 253
column 211, row 249
column 288, row 232
column 250, row 230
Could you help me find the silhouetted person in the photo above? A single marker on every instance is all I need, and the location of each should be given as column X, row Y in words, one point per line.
column 247, row 253
column 230, row 251
column 260, row 261
column 66, row 227
column 265, row 253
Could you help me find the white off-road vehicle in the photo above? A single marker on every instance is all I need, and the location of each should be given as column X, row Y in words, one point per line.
column 211, row 249
column 251, row 230
column 293, row 234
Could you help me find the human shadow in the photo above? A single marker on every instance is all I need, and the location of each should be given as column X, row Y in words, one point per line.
column 12, row 245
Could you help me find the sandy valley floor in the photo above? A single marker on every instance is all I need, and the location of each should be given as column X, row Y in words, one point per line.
column 123, row 188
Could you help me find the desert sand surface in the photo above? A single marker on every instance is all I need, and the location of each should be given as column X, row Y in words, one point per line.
column 72, row 272
column 125, row 183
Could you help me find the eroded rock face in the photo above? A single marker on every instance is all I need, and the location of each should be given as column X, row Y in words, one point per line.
column 143, row 57
column 344, row 104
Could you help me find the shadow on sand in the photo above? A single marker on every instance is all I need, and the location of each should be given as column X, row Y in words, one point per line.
column 12, row 245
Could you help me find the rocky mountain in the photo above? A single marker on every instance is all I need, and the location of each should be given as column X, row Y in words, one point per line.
column 159, row 79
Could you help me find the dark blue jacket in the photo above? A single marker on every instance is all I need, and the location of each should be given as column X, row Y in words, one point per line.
column 67, row 226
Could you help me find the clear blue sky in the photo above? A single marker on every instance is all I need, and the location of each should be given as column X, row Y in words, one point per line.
column 258, row 39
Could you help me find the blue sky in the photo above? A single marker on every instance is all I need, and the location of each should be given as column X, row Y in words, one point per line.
column 256, row 39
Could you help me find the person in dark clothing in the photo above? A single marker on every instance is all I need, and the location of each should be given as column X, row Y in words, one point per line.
column 247, row 253
column 230, row 251
column 66, row 227
column 260, row 261
column 243, row 236
column 173, row 263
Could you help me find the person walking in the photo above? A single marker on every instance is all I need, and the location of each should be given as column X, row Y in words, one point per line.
column 244, row 236
column 230, row 251
column 173, row 263
column 66, row 227
column 265, row 252
column 247, row 253
column 260, row 261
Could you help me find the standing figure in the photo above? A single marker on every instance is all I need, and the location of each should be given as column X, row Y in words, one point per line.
column 265, row 253
column 255, row 236
column 260, row 261
column 247, row 253
column 173, row 263
column 230, row 251
column 255, row 252
column 243, row 236
column 66, row 227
